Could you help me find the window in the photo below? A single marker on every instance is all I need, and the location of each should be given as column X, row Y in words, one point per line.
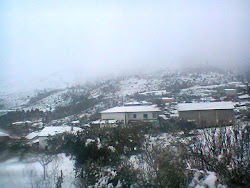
column 154, row 114
column 145, row 116
column 134, row 115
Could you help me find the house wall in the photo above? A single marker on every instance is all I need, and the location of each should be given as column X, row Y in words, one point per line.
column 167, row 100
column 208, row 118
column 117, row 116
column 190, row 115
column 43, row 142
column 139, row 115
column 230, row 92
column 128, row 116
column 4, row 138
column 225, row 116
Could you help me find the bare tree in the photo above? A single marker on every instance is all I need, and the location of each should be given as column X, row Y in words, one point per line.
column 44, row 160
column 50, row 178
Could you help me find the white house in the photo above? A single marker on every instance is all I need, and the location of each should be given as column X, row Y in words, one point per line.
column 230, row 92
column 244, row 97
column 127, row 113
column 52, row 131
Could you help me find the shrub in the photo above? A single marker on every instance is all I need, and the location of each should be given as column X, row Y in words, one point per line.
column 224, row 151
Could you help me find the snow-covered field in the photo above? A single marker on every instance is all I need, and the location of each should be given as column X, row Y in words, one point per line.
column 29, row 173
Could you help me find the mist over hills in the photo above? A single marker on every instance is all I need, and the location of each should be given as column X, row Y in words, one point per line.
column 65, row 79
column 58, row 89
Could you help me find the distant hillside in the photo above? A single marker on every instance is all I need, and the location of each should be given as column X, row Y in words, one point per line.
column 61, row 93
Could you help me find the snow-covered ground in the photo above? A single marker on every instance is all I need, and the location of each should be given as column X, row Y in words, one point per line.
column 132, row 85
column 49, row 103
column 15, row 99
column 29, row 173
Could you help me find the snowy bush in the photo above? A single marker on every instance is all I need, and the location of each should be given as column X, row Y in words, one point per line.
column 225, row 151
column 205, row 179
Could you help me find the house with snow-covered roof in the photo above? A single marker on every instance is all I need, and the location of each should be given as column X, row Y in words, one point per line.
column 131, row 113
column 244, row 97
column 33, row 137
column 4, row 137
column 53, row 131
column 135, row 103
column 207, row 114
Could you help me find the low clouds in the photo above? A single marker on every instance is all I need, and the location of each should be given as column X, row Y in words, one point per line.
column 94, row 38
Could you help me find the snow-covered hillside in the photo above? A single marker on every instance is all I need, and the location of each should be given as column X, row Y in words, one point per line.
column 116, row 88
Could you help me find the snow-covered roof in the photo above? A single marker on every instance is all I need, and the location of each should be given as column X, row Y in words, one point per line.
column 21, row 122
column 99, row 121
column 111, row 121
column 32, row 135
column 132, row 109
column 243, row 86
column 57, row 130
column 132, row 103
column 163, row 116
column 75, row 122
column 167, row 98
column 205, row 106
column 137, row 103
column 246, row 96
column 86, row 125
column 145, row 103
column 18, row 123
column 2, row 134
column 35, row 141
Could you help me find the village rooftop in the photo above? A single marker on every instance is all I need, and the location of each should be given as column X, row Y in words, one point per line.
column 122, row 109
column 205, row 106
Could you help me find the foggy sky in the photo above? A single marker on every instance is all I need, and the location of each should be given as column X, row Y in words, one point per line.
column 94, row 38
